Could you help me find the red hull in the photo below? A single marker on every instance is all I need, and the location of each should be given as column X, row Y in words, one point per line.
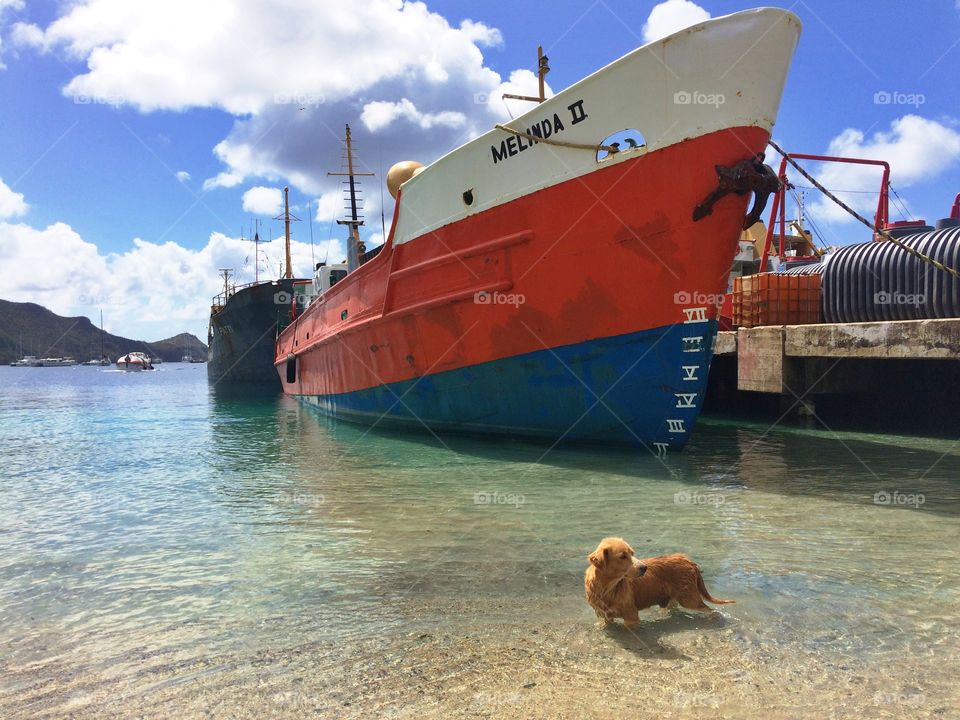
column 606, row 254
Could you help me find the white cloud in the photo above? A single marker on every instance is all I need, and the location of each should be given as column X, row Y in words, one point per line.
column 203, row 65
column 226, row 179
column 28, row 35
column 11, row 203
column 420, row 89
column 183, row 176
column 263, row 200
column 71, row 277
column 672, row 16
column 330, row 206
column 917, row 148
column 485, row 35
column 378, row 115
column 4, row 6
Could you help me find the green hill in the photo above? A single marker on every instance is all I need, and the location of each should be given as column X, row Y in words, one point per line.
column 46, row 334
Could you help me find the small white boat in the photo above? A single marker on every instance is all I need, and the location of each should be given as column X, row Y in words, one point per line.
column 134, row 362
column 57, row 362
column 101, row 361
column 187, row 358
column 26, row 361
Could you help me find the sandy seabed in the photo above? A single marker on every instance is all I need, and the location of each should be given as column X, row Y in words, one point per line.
column 478, row 665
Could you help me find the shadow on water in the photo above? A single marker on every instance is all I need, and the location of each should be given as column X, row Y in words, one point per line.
column 843, row 467
column 649, row 638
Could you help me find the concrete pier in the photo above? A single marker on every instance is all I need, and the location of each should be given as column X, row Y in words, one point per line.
column 803, row 358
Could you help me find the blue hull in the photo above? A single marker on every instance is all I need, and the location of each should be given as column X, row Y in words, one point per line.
column 644, row 388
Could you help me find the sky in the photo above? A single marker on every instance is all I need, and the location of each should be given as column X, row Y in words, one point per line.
column 140, row 141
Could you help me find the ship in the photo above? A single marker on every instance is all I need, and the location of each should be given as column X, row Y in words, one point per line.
column 546, row 279
column 242, row 330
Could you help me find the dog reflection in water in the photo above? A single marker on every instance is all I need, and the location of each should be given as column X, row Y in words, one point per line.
column 619, row 585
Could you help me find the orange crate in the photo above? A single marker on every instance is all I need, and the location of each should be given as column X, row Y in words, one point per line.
column 771, row 299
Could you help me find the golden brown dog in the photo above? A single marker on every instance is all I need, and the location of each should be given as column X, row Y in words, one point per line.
column 619, row 585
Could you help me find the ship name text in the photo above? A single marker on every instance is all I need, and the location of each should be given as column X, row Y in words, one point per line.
column 514, row 145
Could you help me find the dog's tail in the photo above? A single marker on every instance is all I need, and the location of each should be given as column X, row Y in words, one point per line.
column 706, row 594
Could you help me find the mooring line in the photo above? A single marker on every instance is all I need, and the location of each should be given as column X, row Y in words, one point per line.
column 882, row 233
column 561, row 143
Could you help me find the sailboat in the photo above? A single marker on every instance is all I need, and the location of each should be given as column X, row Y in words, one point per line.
column 103, row 360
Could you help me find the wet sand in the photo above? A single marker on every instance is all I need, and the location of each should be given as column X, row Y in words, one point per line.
column 481, row 664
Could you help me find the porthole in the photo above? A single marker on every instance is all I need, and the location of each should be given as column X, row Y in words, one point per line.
column 629, row 140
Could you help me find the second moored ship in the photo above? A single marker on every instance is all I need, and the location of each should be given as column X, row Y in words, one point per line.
column 243, row 324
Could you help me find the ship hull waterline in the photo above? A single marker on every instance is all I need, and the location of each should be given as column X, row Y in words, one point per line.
column 545, row 290
column 641, row 285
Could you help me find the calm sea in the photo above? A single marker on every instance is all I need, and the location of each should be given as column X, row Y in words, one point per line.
column 172, row 550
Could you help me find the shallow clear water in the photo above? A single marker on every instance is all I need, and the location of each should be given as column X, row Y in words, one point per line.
column 170, row 549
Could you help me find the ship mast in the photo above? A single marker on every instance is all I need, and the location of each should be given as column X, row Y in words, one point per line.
column 287, row 219
column 225, row 272
column 286, row 230
column 543, row 68
column 353, row 243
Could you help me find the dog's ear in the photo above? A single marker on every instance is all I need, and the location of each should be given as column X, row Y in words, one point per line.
column 598, row 557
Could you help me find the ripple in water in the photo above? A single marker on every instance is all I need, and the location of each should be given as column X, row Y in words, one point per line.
column 170, row 549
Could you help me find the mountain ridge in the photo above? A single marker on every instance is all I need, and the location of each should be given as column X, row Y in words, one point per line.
column 46, row 334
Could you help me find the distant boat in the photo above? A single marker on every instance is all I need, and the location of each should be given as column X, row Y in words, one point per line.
column 134, row 362
column 187, row 358
column 26, row 361
column 56, row 362
column 104, row 360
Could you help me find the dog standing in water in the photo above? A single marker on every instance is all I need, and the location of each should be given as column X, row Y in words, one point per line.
column 618, row 585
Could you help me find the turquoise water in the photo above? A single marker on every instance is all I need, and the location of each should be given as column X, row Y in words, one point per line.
column 167, row 549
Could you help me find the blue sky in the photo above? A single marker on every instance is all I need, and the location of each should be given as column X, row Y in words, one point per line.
column 94, row 145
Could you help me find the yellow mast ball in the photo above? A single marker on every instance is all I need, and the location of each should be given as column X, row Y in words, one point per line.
column 400, row 173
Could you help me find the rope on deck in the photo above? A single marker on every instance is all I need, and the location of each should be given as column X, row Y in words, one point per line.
column 562, row 143
column 882, row 233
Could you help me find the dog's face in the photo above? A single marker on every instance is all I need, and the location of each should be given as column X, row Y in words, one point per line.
column 614, row 558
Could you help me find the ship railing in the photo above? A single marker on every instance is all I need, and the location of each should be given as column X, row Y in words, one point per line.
column 222, row 298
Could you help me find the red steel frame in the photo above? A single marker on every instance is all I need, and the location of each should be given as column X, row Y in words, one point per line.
column 880, row 220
